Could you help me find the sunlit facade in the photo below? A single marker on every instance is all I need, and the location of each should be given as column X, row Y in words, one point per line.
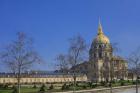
column 39, row 78
column 103, row 65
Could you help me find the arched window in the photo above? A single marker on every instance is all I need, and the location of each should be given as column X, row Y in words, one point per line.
column 106, row 54
column 100, row 55
column 96, row 46
column 94, row 55
column 100, row 46
column 94, row 65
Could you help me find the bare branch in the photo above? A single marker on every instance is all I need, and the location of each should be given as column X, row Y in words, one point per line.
column 19, row 55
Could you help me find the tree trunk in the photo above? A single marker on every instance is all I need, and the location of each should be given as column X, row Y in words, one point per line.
column 111, row 87
column 74, row 83
column 111, row 77
column 137, row 85
column 111, row 82
column 18, row 85
column 18, row 78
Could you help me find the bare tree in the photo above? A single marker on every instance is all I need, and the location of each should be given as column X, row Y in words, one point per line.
column 19, row 56
column 62, row 64
column 111, row 75
column 115, row 48
column 134, row 61
column 76, row 54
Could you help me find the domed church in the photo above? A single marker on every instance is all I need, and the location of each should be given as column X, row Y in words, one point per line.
column 103, row 65
column 100, row 56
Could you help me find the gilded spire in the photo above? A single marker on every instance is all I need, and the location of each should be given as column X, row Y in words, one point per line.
column 100, row 28
column 101, row 38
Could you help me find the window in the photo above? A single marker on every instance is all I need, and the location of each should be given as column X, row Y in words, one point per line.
column 94, row 65
column 94, row 55
column 105, row 54
column 96, row 46
column 100, row 46
column 100, row 55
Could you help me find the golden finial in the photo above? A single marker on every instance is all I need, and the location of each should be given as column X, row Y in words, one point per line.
column 100, row 28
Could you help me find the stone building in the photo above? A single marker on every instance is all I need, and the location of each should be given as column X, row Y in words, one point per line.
column 39, row 78
column 103, row 65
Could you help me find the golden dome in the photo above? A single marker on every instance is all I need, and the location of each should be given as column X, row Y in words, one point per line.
column 101, row 38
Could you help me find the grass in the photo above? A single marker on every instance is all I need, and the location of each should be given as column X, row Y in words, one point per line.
column 5, row 90
column 80, row 86
column 23, row 90
column 28, row 90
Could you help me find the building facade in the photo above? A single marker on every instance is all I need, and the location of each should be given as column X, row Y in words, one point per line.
column 9, row 78
column 103, row 65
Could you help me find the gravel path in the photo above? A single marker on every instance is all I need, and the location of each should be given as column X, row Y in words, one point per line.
column 122, row 89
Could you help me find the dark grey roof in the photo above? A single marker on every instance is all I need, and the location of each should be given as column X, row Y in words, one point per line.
column 38, row 74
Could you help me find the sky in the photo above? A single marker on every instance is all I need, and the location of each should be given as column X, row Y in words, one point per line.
column 52, row 22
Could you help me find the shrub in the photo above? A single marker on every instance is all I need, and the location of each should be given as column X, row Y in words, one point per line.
column 134, row 82
column 65, row 87
column 94, row 85
column 1, row 85
column 128, row 81
column 51, row 87
column 122, row 82
column 113, row 81
column 139, row 81
column 103, row 83
column 14, row 88
column 77, row 84
column 84, row 86
column 5, row 86
column 34, row 86
column 42, row 89
column 90, row 84
column 71, row 84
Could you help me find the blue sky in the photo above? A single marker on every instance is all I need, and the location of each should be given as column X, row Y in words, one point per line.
column 51, row 22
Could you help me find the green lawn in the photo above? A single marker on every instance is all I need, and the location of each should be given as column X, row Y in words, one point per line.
column 27, row 90
column 5, row 91
column 23, row 90
column 57, row 87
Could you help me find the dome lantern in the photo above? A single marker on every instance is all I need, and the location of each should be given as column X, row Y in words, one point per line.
column 101, row 38
column 100, row 29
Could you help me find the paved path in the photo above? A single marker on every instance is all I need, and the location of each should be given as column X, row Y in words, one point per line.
column 94, row 90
